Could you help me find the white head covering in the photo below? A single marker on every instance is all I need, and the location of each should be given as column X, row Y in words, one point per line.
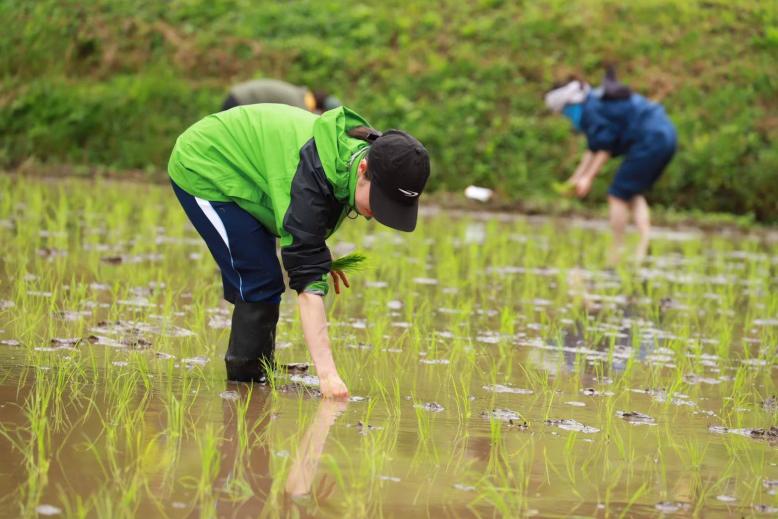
column 571, row 93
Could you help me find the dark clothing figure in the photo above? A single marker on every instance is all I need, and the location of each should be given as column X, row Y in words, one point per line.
column 617, row 122
column 634, row 127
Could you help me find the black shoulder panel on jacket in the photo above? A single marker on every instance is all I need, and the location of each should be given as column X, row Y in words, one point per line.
column 312, row 214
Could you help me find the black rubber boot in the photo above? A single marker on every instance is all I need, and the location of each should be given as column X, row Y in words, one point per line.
column 252, row 341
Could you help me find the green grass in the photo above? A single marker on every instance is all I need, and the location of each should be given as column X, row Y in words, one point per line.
column 111, row 83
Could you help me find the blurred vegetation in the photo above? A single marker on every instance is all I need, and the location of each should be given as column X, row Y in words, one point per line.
column 111, row 83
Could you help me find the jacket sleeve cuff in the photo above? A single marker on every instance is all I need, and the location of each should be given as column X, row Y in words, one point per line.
column 321, row 287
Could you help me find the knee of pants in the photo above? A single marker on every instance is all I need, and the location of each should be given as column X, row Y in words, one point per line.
column 253, row 290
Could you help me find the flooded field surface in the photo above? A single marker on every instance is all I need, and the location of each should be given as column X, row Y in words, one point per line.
column 497, row 369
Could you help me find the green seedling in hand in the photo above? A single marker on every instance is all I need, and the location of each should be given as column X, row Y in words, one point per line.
column 344, row 266
column 563, row 188
column 350, row 263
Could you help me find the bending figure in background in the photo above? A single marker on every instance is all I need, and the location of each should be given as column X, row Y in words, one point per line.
column 617, row 122
column 276, row 91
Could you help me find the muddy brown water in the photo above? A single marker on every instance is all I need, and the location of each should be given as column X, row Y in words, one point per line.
column 497, row 368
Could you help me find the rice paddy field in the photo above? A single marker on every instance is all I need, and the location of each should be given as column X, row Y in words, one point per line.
column 497, row 368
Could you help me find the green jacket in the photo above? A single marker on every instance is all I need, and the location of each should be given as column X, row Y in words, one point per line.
column 292, row 170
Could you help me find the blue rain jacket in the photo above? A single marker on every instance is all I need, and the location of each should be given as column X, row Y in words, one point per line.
column 634, row 127
column 622, row 126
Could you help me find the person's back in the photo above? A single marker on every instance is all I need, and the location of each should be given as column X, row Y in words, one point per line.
column 231, row 155
column 617, row 125
column 270, row 91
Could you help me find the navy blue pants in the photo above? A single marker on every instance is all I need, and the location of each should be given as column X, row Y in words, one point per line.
column 645, row 162
column 244, row 250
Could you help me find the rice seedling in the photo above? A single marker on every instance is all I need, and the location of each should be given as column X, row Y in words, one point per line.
column 350, row 263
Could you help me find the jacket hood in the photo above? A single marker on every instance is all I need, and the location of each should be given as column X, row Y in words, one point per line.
column 336, row 148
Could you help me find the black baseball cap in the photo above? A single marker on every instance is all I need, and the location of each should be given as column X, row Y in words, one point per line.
column 399, row 167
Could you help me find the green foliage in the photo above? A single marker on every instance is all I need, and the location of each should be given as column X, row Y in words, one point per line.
column 113, row 82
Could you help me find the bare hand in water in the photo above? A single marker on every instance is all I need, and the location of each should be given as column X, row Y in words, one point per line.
column 333, row 387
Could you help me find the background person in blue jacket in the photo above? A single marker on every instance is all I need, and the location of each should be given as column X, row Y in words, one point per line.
column 618, row 122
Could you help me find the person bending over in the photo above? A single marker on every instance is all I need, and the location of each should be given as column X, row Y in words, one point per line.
column 276, row 91
column 618, row 122
column 255, row 174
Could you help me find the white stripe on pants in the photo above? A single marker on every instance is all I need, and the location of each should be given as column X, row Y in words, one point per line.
column 217, row 223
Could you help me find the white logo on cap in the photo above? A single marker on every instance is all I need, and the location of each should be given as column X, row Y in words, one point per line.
column 409, row 194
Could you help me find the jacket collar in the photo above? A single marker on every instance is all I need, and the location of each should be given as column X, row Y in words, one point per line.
column 353, row 167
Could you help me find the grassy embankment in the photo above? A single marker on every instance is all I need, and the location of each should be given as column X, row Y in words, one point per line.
column 108, row 85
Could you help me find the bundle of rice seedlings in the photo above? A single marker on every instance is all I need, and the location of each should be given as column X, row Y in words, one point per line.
column 349, row 263
column 563, row 188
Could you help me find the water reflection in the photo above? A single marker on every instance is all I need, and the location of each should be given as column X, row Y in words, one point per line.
column 245, row 469
column 245, row 453
column 621, row 336
column 306, row 460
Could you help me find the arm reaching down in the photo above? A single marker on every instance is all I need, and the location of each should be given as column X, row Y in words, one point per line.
column 591, row 164
column 583, row 166
column 314, row 321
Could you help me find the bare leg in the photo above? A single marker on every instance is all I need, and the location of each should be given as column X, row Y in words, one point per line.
column 642, row 216
column 619, row 213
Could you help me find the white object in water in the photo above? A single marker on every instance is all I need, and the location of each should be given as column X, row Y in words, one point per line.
column 482, row 194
